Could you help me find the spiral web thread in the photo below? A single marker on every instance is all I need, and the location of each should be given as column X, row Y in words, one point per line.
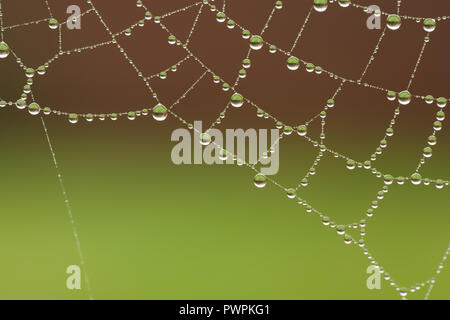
column 202, row 6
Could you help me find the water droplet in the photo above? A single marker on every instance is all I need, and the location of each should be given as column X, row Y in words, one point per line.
column 320, row 5
column 205, row 139
column 237, row 100
column 416, row 179
column 344, row 3
column 302, row 130
column 73, row 118
column 340, row 230
column 432, row 140
column 403, row 292
column 429, row 25
column 131, row 115
column 21, row 104
column 404, row 97
column 440, row 184
column 291, row 193
column 231, row 24
column 41, row 70
column 4, row 50
column 351, row 164
column 348, row 239
column 441, row 102
column 391, row 95
column 287, row 130
column 429, row 99
column 388, row 179
column 220, row 17
column 53, row 24
column 260, row 180
column 310, row 67
column 223, row 155
column 427, row 152
column 172, row 40
column 47, row 111
column 29, row 73
column 34, row 109
column 159, row 112
column 256, row 42
column 394, row 22
column 89, row 117
column 293, row 63
column 437, row 125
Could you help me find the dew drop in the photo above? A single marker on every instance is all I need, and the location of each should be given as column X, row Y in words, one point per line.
column 344, row 3
column 320, row 5
column 394, row 22
column 53, row 24
column 159, row 112
column 404, row 97
column 388, row 179
column 291, row 193
column 302, row 130
column 293, row 63
column 205, row 139
column 237, row 100
column 351, row 164
column 131, row 115
column 416, row 179
column 429, row 25
column 34, row 109
column 441, row 102
column 223, row 155
column 73, row 118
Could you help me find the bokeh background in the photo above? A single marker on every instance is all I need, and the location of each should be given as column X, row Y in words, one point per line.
column 153, row 230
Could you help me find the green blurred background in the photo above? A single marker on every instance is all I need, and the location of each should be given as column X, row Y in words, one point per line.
column 153, row 230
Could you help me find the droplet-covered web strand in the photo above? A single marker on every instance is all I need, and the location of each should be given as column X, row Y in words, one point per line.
column 256, row 43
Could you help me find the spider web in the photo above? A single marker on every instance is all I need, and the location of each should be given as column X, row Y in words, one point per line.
column 219, row 8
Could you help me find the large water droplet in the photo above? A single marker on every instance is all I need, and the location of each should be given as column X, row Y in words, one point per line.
column 4, row 50
column 293, row 63
column 53, row 24
column 73, row 118
column 159, row 112
column 260, row 180
column 34, row 109
column 416, row 179
column 237, row 100
column 429, row 25
column 205, row 139
column 256, row 42
column 320, row 5
column 394, row 22
column 344, row 3
column 404, row 97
